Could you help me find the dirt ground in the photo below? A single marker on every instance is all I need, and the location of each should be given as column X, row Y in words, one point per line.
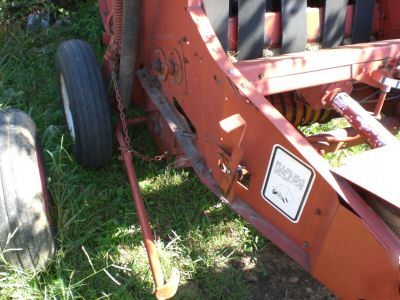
column 277, row 276
column 271, row 275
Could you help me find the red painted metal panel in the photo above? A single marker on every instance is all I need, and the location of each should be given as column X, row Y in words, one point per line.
column 373, row 273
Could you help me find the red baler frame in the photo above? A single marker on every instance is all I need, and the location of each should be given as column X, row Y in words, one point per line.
column 217, row 113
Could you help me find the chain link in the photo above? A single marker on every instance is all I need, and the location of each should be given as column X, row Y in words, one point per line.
column 115, row 56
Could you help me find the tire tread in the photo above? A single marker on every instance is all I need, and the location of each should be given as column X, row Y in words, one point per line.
column 18, row 208
column 88, row 103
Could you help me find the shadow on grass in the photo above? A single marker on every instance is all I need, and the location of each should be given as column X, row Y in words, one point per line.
column 218, row 254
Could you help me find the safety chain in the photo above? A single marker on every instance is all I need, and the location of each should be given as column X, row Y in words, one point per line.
column 114, row 61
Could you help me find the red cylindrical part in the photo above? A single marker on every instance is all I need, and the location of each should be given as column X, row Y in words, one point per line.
column 369, row 128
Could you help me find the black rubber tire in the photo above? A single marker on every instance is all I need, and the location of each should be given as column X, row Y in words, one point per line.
column 89, row 111
column 24, row 212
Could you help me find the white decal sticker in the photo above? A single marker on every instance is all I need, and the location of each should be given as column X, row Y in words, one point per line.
column 287, row 183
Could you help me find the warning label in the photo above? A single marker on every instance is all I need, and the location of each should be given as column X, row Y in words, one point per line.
column 287, row 183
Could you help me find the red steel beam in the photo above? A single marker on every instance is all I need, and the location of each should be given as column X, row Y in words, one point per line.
column 289, row 72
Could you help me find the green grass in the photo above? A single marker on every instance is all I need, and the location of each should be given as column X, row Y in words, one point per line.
column 335, row 159
column 97, row 226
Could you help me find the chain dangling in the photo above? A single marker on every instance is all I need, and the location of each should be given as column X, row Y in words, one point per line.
column 115, row 56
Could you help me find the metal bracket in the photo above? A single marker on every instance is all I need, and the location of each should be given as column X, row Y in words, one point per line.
column 232, row 131
column 385, row 78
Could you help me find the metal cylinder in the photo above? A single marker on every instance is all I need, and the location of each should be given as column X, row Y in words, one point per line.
column 366, row 125
column 130, row 38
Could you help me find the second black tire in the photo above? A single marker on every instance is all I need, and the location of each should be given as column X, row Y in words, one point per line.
column 85, row 103
column 26, row 233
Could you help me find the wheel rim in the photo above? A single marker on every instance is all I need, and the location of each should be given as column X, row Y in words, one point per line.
column 67, row 109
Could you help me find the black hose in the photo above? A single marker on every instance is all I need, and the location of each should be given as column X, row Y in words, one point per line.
column 129, row 47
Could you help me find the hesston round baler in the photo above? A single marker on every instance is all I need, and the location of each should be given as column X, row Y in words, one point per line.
column 225, row 84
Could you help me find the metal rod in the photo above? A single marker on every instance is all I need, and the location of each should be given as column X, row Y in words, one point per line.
column 381, row 101
column 337, row 139
column 336, row 136
column 151, row 249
